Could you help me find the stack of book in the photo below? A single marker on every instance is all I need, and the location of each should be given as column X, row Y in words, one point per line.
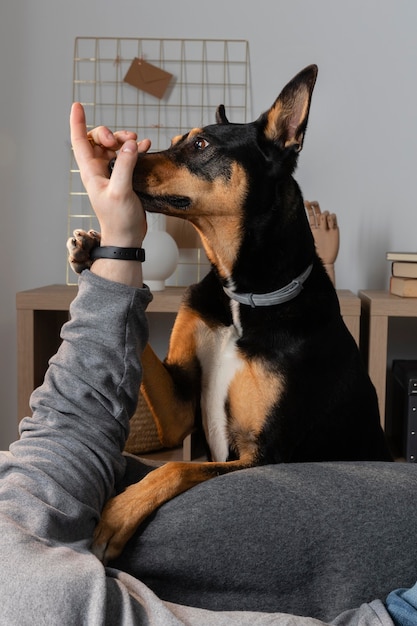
column 403, row 280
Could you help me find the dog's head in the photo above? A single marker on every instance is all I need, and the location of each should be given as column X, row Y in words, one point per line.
column 214, row 176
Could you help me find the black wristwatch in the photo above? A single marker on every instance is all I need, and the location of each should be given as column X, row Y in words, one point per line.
column 114, row 252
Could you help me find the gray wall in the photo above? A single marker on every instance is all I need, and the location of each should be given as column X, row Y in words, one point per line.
column 359, row 155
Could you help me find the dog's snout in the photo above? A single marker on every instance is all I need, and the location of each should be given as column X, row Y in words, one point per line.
column 111, row 166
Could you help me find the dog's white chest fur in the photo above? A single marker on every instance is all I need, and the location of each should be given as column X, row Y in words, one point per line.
column 220, row 360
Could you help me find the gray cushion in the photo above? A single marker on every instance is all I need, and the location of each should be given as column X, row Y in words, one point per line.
column 309, row 539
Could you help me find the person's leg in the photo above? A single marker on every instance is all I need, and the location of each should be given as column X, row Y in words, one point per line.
column 310, row 539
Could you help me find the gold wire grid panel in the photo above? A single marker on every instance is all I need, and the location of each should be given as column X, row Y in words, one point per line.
column 206, row 73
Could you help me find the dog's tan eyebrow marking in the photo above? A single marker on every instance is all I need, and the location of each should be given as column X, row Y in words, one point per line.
column 194, row 132
column 176, row 139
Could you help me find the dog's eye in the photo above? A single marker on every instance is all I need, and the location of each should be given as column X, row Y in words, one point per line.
column 201, row 144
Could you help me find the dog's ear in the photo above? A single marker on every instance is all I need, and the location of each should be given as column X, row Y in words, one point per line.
column 221, row 115
column 286, row 120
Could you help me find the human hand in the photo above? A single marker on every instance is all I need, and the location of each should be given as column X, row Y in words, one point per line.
column 326, row 234
column 119, row 211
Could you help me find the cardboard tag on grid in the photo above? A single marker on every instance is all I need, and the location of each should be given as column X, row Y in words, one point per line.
column 148, row 78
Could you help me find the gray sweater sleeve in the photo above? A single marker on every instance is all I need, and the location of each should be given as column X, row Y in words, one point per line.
column 90, row 391
column 68, row 461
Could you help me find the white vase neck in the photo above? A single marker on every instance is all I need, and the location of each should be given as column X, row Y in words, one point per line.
column 156, row 221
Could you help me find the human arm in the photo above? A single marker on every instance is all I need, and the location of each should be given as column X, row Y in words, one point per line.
column 97, row 371
column 118, row 209
column 68, row 460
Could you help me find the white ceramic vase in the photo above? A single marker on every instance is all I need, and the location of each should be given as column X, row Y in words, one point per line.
column 161, row 253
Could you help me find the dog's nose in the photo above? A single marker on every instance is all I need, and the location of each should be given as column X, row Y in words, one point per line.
column 111, row 166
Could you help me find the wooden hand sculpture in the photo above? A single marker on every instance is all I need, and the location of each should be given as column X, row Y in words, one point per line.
column 326, row 235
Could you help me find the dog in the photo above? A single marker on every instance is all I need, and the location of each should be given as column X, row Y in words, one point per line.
column 259, row 352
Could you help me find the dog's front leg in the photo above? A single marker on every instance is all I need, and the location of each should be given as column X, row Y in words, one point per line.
column 174, row 418
column 172, row 389
column 124, row 513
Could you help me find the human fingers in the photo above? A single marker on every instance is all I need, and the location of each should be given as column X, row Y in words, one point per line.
column 126, row 219
column 79, row 141
column 104, row 138
column 95, row 148
column 144, row 145
column 124, row 164
column 85, row 154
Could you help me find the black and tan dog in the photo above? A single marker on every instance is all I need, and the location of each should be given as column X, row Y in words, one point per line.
column 259, row 349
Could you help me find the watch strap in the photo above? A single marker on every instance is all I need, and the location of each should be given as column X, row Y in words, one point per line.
column 114, row 252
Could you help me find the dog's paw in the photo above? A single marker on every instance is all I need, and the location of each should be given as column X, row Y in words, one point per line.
column 116, row 526
column 79, row 247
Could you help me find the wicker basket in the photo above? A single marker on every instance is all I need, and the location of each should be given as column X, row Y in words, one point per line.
column 143, row 435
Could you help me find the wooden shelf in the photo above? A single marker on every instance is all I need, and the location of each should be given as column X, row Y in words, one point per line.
column 41, row 313
column 377, row 308
column 59, row 298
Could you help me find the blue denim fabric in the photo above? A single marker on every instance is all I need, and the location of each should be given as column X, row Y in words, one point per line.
column 402, row 606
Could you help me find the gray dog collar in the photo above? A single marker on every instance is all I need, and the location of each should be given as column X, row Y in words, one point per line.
column 280, row 296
